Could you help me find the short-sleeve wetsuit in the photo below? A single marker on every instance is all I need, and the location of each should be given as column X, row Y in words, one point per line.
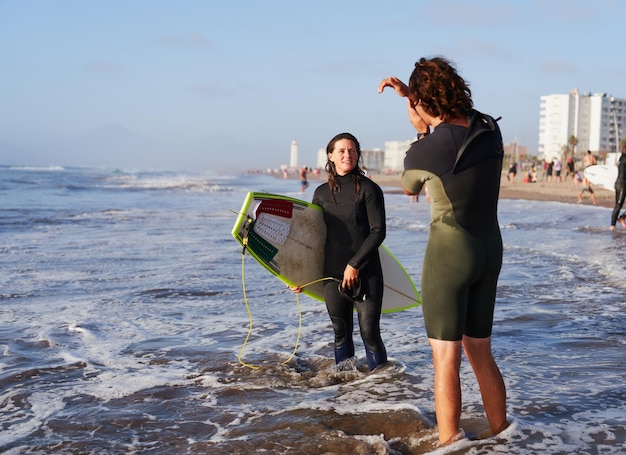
column 461, row 168
column 356, row 227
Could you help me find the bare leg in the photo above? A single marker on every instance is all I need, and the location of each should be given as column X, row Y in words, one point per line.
column 492, row 388
column 447, row 363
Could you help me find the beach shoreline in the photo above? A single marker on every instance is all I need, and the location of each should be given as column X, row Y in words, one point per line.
column 564, row 191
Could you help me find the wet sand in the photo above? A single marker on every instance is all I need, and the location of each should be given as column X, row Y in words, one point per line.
column 563, row 191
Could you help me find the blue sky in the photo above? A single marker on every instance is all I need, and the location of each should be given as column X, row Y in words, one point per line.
column 254, row 75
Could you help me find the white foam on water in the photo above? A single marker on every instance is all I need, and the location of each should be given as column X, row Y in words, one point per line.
column 37, row 168
column 42, row 406
column 144, row 293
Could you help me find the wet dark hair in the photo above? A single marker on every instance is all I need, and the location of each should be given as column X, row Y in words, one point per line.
column 357, row 173
column 443, row 93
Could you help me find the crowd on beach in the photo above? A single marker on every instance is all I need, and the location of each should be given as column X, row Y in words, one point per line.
column 573, row 171
column 551, row 171
column 554, row 171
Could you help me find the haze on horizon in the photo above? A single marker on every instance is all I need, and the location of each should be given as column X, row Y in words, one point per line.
column 204, row 86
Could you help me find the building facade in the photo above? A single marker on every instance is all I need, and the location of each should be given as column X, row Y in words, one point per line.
column 394, row 154
column 597, row 122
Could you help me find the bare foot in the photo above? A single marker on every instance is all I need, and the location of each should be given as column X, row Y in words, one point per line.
column 457, row 437
column 488, row 433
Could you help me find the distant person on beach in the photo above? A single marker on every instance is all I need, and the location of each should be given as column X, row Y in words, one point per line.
column 416, row 197
column 570, row 167
column 620, row 191
column 558, row 167
column 531, row 175
column 587, row 189
column 304, row 183
column 590, row 160
column 512, row 172
column 577, row 180
column 550, row 171
column 460, row 163
column 354, row 212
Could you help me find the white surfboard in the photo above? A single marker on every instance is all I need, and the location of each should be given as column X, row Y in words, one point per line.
column 287, row 236
column 602, row 175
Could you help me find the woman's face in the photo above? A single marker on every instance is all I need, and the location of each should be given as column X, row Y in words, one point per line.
column 344, row 156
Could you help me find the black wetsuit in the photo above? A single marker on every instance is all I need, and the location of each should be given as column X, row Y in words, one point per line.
column 461, row 168
column 355, row 229
column 620, row 189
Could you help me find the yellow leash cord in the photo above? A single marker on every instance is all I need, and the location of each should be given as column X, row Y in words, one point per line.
column 245, row 298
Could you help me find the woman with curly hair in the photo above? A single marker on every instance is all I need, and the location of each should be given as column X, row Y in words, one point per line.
column 460, row 162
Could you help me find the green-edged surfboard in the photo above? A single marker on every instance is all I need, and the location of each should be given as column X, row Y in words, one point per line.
column 287, row 235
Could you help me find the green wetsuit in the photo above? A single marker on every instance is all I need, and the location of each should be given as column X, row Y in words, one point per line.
column 461, row 168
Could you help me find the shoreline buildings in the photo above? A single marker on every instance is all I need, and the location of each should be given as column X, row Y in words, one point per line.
column 569, row 125
column 391, row 159
column 580, row 121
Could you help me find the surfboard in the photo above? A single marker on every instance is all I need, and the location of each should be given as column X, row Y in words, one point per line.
column 287, row 236
column 602, row 175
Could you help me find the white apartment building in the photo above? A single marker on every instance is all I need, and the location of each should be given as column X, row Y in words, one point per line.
column 597, row 121
column 394, row 154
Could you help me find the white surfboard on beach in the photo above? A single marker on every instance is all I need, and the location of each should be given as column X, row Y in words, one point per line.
column 602, row 175
column 287, row 237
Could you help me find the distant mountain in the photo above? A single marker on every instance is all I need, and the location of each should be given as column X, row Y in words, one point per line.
column 213, row 149
column 225, row 152
column 110, row 146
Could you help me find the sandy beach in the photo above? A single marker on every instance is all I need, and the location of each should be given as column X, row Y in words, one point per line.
column 563, row 191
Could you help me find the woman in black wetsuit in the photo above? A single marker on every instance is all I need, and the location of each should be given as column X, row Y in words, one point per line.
column 460, row 162
column 354, row 212
column 620, row 191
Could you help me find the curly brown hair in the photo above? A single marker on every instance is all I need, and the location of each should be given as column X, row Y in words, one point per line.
column 443, row 93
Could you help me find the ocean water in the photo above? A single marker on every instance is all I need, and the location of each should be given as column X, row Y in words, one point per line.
column 123, row 317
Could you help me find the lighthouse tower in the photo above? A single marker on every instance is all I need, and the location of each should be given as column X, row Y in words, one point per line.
column 293, row 162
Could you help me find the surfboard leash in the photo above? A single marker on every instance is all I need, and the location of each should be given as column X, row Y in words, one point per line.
column 245, row 299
